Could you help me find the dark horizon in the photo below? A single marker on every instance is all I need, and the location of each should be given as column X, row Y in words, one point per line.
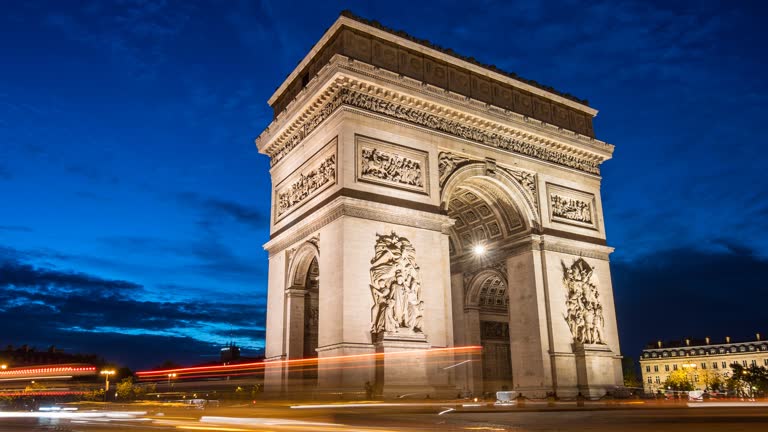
column 136, row 202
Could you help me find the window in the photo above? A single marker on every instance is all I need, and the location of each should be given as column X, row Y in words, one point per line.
column 666, row 368
column 742, row 349
column 674, row 367
column 725, row 366
column 649, row 380
column 714, row 365
column 703, row 365
column 665, row 354
column 765, row 361
column 647, row 368
column 721, row 350
column 754, row 362
column 744, row 363
column 751, row 347
column 701, row 352
column 656, row 367
column 658, row 381
column 695, row 378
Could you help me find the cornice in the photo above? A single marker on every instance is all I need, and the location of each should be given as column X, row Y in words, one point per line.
column 363, row 209
column 336, row 86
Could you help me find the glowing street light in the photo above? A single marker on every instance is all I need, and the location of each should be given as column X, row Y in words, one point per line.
column 107, row 373
column 171, row 375
column 479, row 250
column 3, row 366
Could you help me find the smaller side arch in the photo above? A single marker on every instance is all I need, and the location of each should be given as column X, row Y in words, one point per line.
column 480, row 280
column 299, row 265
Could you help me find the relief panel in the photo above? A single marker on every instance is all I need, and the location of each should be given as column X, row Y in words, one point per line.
column 314, row 176
column 384, row 55
column 391, row 165
column 571, row 207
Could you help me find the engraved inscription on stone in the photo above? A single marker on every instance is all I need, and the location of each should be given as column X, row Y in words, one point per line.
column 395, row 286
column 391, row 165
column 584, row 311
column 309, row 180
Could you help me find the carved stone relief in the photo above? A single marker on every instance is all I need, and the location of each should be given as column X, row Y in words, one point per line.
column 584, row 311
column 315, row 176
column 459, row 129
column 392, row 165
column 395, row 286
column 447, row 163
column 571, row 206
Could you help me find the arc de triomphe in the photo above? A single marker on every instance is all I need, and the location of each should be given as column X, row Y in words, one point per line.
column 422, row 200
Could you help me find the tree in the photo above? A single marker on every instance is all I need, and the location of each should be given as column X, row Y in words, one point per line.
column 751, row 381
column 679, row 380
column 629, row 367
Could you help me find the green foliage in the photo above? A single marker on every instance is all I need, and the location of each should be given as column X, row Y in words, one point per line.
column 679, row 380
column 127, row 390
column 93, row 396
column 748, row 381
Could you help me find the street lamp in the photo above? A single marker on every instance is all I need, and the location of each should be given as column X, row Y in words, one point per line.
column 4, row 366
column 171, row 375
column 107, row 373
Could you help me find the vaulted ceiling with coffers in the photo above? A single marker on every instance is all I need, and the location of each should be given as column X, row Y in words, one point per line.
column 482, row 214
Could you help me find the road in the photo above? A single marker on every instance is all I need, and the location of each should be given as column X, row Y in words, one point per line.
column 401, row 417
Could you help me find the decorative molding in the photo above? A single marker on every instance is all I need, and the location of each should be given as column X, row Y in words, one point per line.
column 572, row 207
column 513, row 141
column 315, row 240
column 584, row 311
column 447, row 163
column 313, row 177
column 345, row 206
column 392, row 165
column 465, row 130
column 572, row 250
column 395, row 287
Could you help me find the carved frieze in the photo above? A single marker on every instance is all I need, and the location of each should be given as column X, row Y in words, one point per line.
column 571, row 206
column 463, row 130
column 584, row 311
column 316, row 175
column 349, row 97
column 392, row 165
column 395, row 286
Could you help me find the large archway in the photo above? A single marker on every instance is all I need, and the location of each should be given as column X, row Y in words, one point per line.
column 492, row 213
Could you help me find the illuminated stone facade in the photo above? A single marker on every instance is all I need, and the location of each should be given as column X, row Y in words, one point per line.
column 391, row 161
column 701, row 360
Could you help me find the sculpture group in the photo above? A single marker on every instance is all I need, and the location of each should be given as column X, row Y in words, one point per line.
column 395, row 286
column 306, row 184
column 572, row 209
column 391, row 167
column 584, row 311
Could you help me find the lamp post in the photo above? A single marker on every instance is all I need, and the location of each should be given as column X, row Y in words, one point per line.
column 171, row 375
column 107, row 373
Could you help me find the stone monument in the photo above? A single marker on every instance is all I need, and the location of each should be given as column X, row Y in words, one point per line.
column 424, row 201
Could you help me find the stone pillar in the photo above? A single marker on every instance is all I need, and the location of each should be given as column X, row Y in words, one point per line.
column 401, row 365
column 593, row 364
column 461, row 373
column 528, row 326
column 294, row 326
column 472, row 332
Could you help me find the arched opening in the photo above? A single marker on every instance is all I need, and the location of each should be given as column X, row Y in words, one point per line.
column 302, row 313
column 491, row 213
column 311, row 315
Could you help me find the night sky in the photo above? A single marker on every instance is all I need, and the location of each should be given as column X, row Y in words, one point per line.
column 134, row 204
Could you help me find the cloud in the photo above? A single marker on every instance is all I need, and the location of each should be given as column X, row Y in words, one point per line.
column 47, row 306
column 213, row 209
column 683, row 292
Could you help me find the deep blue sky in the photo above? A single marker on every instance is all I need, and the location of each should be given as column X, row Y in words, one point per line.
column 133, row 202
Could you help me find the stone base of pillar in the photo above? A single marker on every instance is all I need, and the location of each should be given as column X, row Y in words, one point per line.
column 274, row 376
column 401, row 365
column 594, row 369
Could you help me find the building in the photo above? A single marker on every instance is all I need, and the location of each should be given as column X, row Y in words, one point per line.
column 701, row 359
column 422, row 202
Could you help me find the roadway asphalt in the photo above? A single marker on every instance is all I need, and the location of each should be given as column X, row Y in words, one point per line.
column 410, row 417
